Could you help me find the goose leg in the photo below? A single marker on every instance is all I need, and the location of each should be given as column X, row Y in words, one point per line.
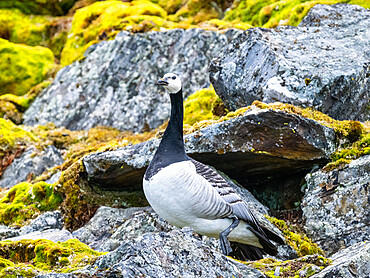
column 224, row 242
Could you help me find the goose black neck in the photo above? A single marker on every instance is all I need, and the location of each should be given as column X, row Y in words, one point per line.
column 171, row 149
column 172, row 140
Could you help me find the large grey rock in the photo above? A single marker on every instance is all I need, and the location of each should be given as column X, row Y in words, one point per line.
column 351, row 262
column 103, row 224
column 31, row 162
column 259, row 142
column 45, row 221
column 115, row 85
column 324, row 63
column 336, row 206
column 178, row 253
column 6, row 232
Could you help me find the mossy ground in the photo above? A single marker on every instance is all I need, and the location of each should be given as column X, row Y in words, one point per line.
column 22, row 67
column 31, row 257
column 295, row 238
column 298, row 268
column 12, row 107
column 24, row 201
column 271, row 13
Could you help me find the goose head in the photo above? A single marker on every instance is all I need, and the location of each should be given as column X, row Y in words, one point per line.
column 171, row 82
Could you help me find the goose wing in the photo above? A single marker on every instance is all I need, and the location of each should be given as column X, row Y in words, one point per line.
column 228, row 194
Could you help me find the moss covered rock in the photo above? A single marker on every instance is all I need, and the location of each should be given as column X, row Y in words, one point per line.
column 45, row 7
column 12, row 106
column 25, row 201
column 29, row 257
column 99, row 20
column 272, row 13
column 22, row 67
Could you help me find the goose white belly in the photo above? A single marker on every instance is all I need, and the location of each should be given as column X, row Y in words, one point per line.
column 174, row 193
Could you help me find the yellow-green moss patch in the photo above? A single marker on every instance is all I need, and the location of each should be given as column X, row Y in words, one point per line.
column 300, row 242
column 290, row 268
column 203, row 105
column 12, row 106
column 271, row 13
column 44, row 7
column 22, row 67
column 33, row 256
column 11, row 135
column 99, row 20
column 25, row 201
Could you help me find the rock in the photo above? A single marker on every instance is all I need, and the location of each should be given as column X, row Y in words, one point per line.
column 6, row 232
column 323, row 64
column 336, row 206
column 30, row 164
column 350, row 262
column 22, row 66
column 141, row 223
column 54, row 235
column 47, row 220
column 178, row 253
column 257, row 145
column 108, row 86
column 103, row 224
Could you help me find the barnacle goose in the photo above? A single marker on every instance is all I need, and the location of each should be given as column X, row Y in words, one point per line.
column 186, row 192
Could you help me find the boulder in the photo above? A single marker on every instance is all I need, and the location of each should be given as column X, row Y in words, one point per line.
column 323, row 63
column 115, row 84
column 178, row 253
column 29, row 164
column 350, row 262
column 336, row 206
column 45, row 221
column 256, row 146
column 103, row 224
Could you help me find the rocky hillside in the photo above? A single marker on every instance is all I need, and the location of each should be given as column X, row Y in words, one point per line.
column 281, row 112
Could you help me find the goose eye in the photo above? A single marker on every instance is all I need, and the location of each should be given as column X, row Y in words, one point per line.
column 173, row 77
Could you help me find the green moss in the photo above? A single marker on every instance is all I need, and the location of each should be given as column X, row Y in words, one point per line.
column 303, row 245
column 196, row 11
column 12, row 106
column 344, row 156
column 29, row 257
column 24, row 201
column 290, row 268
column 22, row 67
column 97, row 21
column 199, row 106
column 11, row 135
column 44, row 7
column 271, row 13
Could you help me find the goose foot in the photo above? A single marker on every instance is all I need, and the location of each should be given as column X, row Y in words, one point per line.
column 224, row 241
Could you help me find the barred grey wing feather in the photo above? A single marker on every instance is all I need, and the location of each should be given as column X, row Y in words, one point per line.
column 227, row 193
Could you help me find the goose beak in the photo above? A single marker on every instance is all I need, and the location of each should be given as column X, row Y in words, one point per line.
column 162, row 82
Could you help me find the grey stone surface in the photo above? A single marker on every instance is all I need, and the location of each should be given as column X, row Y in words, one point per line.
column 324, row 63
column 30, row 162
column 54, row 235
column 103, row 224
column 351, row 262
column 178, row 253
column 45, row 221
column 259, row 142
column 336, row 206
column 115, row 85
column 6, row 232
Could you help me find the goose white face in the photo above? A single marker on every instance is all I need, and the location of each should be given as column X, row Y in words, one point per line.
column 171, row 82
